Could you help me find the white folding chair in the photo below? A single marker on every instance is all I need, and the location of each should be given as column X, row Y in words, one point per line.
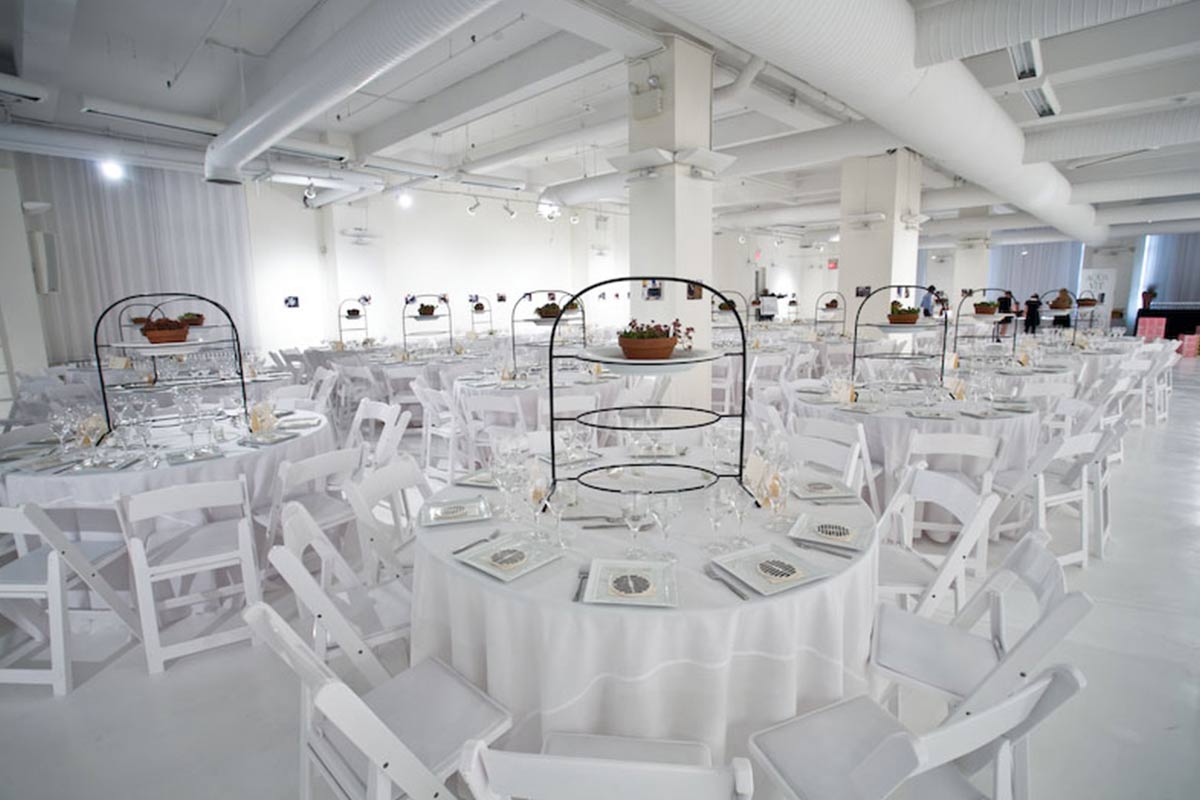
column 406, row 732
column 45, row 573
column 389, row 423
column 398, row 380
column 841, row 460
column 315, row 483
column 846, row 433
column 173, row 535
column 1139, row 370
column 967, row 456
column 440, row 421
column 856, row 749
column 724, row 386
column 295, row 362
column 337, row 605
column 1060, row 484
column 907, row 575
column 954, row 663
column 765, row 373
column 489, row 417
column 603, row 768
column 385, row 490
column 802, row 365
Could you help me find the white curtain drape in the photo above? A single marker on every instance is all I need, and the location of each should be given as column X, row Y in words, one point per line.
column 1042, row 268
column 154, row 230
column 1172, row 266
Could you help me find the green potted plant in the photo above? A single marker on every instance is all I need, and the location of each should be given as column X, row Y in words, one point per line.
column 832, row 303
column 652, row 340
column 165, row 330
column 985, row 307
column 426, row 310
column 725, row 305
column 903, row 315
column 572, row 306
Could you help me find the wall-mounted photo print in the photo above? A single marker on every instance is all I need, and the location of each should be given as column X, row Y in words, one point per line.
column 291, row 301
column 862, row 291
column 501, row 297
column 694, row 291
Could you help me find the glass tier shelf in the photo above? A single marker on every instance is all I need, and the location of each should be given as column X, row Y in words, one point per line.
column 680, row 361
column 646, row 418
column 649, row 478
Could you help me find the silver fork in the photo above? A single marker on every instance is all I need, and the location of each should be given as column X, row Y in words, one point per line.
column 711, row 572
column 584, row 574
column 469, row 545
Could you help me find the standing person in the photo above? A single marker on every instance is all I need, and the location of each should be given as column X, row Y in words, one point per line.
column 927, row 301
column 1033, row 314
column 1005, row 306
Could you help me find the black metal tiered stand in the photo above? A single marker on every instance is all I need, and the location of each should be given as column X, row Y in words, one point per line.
column 597, row 418
column 551, row 296
column 1072, row 312
column 995, row 334
column 726, row 296
column 345, row 308
column 415, row 300
column 818, row 308
column 898, row 327
column 147, row 305
column 478, row 314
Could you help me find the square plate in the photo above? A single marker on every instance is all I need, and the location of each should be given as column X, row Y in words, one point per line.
column 930, row 413
column 584, row 458
column 481, row 479
column 631, row 583
column 508, row 557
column 1014, row 408
column 21, row 451
column 658, row 450
column 177, row 458
column 817, row 489
column 860, row 408
column 769, row 569
column 299, row 424
column 266, row 438
column 985, row 413
column 451, row 512
column 51, row 463
column 830, row 534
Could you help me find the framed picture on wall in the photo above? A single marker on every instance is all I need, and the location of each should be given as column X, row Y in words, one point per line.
column 694, row 291
column 862, row 291
column 501, row 297
column 291, row 301
column 652, row 290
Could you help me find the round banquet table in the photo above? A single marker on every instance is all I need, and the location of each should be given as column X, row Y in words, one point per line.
column 528, row 391
column 260, row 465
column 888, row 433
column 1092, row 364
column 714, row 669
column 1011, row 380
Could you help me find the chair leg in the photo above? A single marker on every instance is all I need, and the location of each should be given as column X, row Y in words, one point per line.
column 144, row 589
column 60, row 625
column 1020, row 770
column 1085, row 519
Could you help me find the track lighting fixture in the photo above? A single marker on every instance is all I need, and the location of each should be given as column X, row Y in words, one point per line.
column 508, row 210
column 310, row 192
column 471, row 209
column 574, row 218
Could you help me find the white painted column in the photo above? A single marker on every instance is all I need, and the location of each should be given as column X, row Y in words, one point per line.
column 670, row 214
column 20, row 309
column 877, row 253
column 970, row 272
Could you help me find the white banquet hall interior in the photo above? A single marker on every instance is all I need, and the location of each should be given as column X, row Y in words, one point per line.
column 589, row 399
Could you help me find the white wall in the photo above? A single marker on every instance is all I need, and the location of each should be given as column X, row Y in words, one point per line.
column 789, row 268
column 19, row 306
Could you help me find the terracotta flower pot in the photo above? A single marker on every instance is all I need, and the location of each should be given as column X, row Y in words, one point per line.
column 643, row 349
column 1088, row 302
column 981, row 309
column 832, row 304
column 903, row 319
column 170, row 335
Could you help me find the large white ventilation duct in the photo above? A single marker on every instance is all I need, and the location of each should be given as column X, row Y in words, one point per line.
column 1137, row 132
column 963, row 28
column 1111, row 191
column 387, row 33
column 809, row 149
column 1045, row 235
column 586, row 190
column 862, row 51
column 1143, row 213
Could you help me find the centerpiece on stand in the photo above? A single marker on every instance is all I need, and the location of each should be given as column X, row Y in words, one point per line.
column 653, row 340
column 191, row 318
column 903, row 315
column 548, row 311
column 985, row 308
column 164, row 330
column 426, row 310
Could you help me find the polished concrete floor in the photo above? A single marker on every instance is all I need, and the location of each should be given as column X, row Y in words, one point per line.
column 223, row 724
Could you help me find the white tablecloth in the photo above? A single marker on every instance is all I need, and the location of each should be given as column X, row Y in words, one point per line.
column 888, row 435
column 259, row 465
column 714, row 669
column 606, row 392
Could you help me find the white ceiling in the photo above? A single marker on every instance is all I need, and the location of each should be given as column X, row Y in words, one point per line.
column 213, row 57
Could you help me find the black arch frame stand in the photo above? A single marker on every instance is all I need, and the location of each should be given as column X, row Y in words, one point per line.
column 594, row 418
column 125, row 307
column 854, row 356
column 1072, row 312
column 512, row 325
column 440, row 299
column 344, row 308
column 995, row 325
column 818, row 308
column 487, row 310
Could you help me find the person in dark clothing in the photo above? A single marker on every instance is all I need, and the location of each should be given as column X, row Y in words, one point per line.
column 1006, row 307
column 928, row 300
column 1033, row 314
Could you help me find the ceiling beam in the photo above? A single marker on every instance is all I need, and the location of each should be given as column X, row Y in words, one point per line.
column 552, row 62
column 1124, row 135
column 965, row 28
column 594, row 24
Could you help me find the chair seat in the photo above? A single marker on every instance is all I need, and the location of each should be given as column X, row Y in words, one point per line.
column 620, row 748
column 408, row 702
column 931, row 653
column 943, row 783
column 328, row 511
column 29, row 571
column 900, row 567
column 382, row 608
column 814, row 756
column 202, row 544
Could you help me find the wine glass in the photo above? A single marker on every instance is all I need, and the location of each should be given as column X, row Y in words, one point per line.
column 62, row 426
column 738, row 502
column 715, row 510
column 664, row 510
column 635, row 514
column 535, row 495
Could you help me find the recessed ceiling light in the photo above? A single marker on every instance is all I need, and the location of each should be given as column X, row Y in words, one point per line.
column 112, row 170
column 1024, row 252
column 404, row 200
column 741, row 238
column 574, row 219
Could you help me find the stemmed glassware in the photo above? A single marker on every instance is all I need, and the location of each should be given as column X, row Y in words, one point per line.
column 716, row 511
column 739, row 503
column 62, row 425
column 635, row 514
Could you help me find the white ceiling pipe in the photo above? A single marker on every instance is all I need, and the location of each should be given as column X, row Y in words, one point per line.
column 861, row 51
column 606, row 130
column 809, row 149
column 792, row 215
column 1164, row 185
column 960, row 197
column 1046, row 235
column 188, row 123
column 732, row 91
column 411, row 168
column 344, row 195
column 1125, row 135
column 963, row 28
column 377, row 40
